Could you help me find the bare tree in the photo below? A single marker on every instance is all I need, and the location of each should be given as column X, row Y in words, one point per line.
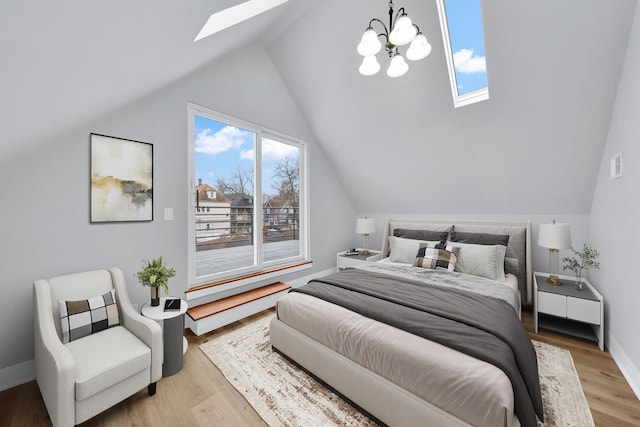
column 287, row 170
column 240, row 182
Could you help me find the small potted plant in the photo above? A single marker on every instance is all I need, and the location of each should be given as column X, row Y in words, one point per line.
column 155, row 273
column 587, row 259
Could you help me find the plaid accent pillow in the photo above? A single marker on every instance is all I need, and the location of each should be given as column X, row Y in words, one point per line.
column 440, row 257
column 85, row 317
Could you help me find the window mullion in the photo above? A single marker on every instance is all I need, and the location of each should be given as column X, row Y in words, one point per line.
column 257, row 200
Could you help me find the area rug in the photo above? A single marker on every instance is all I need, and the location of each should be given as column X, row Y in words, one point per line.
column 283, row 395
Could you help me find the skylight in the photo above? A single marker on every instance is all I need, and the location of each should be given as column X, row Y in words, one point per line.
column 461, row 23
column 234, row 15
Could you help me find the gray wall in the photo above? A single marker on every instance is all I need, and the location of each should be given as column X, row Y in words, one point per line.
column 45, row 229
column 615, row 219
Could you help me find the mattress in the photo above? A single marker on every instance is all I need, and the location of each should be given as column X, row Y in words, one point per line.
column 472, row 390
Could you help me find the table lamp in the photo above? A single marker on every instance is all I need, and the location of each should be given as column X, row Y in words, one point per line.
column 554, row 236
column 365, row 226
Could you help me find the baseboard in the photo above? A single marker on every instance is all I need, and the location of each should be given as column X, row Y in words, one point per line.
column 628, row 369
column 15, row 375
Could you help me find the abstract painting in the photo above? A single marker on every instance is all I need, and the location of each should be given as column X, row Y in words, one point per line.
column 121, row 179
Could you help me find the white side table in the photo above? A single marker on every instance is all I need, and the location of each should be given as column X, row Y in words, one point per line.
column 345, row 261
column 568, row 310
column 175, row 343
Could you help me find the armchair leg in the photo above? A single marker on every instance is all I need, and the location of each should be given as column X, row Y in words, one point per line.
column 151, row 389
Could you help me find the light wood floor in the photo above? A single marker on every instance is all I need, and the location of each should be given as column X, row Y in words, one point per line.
column 200, row 396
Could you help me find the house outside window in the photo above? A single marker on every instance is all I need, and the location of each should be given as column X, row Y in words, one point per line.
column 252, row 183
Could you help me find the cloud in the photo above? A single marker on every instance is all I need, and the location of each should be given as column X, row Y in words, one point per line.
column 227, row 138
column 468, row 63
column 272, row 151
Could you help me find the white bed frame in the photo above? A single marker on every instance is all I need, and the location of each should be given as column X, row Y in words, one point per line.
column 376, row 395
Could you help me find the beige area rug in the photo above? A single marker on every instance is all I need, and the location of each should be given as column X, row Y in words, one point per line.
column 284, row 395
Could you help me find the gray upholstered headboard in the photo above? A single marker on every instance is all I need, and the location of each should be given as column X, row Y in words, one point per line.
column 519, row 245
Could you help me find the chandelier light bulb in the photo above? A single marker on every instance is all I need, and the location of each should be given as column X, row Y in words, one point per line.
column 420, row 48
column 398, row 67
column 369, row 66
column 369, row 45
column 403, row 31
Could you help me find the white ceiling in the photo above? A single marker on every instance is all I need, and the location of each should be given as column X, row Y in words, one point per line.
column 533, row 147
column 66, row 61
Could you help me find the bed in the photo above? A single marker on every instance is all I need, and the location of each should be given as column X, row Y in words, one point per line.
column 402, row 350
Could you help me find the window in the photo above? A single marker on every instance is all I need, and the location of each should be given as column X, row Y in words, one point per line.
column 248, row 197
column 461, row 23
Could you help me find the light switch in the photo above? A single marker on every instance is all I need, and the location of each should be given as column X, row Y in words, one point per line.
column 168, row 214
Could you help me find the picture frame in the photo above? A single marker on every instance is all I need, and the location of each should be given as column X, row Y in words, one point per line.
column 121, row 180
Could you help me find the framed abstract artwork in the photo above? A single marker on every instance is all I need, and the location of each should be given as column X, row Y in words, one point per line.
column 121, row 180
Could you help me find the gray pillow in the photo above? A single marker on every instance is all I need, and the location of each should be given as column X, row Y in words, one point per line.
column 512, row 265
column 479, row 238
column 430, row 235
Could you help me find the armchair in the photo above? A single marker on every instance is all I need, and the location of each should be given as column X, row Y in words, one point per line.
column 84, row 377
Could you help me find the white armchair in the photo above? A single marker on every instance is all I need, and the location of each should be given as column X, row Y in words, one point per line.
column 88, row 375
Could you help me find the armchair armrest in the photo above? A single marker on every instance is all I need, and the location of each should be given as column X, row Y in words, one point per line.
column 55, row 367
column 147, row 330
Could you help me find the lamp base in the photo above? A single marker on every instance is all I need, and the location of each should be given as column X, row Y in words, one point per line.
column 554, row 280
column 365, row 252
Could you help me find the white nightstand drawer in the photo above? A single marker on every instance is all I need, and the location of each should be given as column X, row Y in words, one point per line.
column 346, row 262
column 553, row 304
column 583, row 310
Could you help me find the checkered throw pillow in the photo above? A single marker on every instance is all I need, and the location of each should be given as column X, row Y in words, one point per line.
column 85, row 317
column 440, row 257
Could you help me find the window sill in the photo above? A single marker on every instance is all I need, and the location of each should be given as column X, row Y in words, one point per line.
column 201, row 291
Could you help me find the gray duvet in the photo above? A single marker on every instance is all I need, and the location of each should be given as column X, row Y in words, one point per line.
column 480, row 326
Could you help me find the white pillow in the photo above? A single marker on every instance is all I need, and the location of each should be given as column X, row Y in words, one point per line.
column 481, row 260
column 406, row 250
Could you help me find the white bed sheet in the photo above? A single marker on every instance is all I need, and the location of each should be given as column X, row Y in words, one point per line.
column 472, row 390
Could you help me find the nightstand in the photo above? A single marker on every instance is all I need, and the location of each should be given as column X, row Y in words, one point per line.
column 174, row 342
column 567, row 310
column 346, row 261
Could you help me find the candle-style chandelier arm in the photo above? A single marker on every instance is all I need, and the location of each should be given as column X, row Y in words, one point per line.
column 386, row 31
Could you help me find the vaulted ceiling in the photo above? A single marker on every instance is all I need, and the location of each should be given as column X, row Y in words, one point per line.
column 64, row 62
column 398, row 145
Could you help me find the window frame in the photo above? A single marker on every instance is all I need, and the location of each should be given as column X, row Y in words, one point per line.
column 467, row 98
column 260, row 266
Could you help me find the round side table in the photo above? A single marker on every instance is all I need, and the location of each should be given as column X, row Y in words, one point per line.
column 174, row 342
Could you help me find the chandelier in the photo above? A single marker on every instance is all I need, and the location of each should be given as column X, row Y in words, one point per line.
column 403, row 32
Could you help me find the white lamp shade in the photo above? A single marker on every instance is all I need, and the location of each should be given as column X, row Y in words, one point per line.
column 420, row 48
column 398, row 66
column 369, row 66
column 554, row 236
column 403, row 31
column 369, row 45
column 365, row 226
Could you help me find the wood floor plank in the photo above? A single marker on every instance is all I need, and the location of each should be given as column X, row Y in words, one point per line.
column 199, row 395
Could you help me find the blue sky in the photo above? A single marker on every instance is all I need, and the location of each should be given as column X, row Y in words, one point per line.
column 467, row 43
column 221, row 149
